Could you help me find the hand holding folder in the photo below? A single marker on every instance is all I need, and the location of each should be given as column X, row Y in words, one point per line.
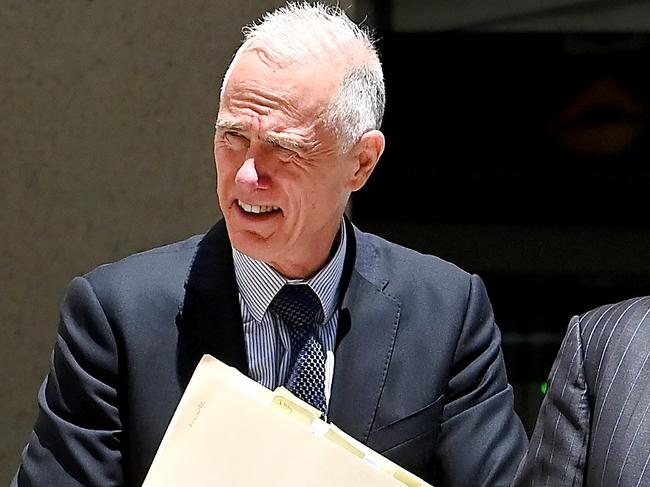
column 230, row 431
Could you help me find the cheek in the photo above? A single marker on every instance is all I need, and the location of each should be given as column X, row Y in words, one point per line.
column 224, row 178
column 319, row 201
column 334, row 187
column 225, row 163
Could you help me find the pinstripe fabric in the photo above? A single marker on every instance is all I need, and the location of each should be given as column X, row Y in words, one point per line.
column 268, row 345
column 593, row 428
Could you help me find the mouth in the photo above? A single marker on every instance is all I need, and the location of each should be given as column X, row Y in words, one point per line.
column 257, row 209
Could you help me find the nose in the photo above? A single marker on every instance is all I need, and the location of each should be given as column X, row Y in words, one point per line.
column 247, row 175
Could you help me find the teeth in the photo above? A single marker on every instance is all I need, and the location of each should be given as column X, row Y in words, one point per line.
column 256, row 208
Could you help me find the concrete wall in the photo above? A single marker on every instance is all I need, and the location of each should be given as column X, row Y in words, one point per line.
column 107, row 113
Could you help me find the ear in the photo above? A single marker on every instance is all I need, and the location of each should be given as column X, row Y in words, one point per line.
column 366, row 153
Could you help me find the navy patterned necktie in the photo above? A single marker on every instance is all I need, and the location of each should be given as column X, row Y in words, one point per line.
column 300, row 309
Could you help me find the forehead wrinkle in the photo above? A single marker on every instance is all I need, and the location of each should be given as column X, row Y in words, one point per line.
column 253, row 94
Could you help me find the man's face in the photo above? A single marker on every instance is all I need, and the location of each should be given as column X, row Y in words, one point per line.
column 282, row 185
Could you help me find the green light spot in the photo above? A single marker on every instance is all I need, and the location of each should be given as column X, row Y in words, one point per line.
column 544, row 387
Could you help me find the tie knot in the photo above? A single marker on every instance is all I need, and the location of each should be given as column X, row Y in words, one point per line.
column 297, row 305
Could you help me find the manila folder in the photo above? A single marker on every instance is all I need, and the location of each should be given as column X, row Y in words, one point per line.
column 230, row 431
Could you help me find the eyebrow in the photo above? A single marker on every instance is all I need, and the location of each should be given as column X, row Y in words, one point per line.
column 273, row 138
column 227, row 125
column 284, row 141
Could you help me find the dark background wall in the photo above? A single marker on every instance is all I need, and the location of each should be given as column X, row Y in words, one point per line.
column 518, row 140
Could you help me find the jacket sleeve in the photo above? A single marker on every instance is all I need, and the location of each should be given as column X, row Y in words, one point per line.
column 481, row 438
column 558, row 446
column 77, row 437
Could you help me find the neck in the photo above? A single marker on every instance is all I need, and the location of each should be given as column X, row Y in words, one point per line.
column 308, row 268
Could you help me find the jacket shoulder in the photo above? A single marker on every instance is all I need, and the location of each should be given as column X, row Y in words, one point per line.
column 151, row 271
column 627, row 307
column 380, row 259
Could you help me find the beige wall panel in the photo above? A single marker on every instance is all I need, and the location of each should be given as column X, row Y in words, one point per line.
column 105, row 149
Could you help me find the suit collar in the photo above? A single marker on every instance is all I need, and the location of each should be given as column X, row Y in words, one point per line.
column 210, row 318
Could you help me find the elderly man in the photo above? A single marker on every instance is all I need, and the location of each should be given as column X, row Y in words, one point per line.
column 397, row 348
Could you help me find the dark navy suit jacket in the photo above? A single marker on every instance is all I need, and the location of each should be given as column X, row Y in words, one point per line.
column 419, row 374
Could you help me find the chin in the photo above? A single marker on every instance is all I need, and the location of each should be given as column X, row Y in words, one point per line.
column 250, row 244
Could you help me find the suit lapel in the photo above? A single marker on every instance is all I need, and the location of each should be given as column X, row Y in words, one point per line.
column 368, row 322
column 210, row 319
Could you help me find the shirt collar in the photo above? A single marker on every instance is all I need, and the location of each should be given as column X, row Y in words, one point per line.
column 258, row 282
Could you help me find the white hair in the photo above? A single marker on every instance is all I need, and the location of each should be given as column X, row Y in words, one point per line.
column 303, row 32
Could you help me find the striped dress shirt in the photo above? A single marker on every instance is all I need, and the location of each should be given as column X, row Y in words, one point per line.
column 268, row 346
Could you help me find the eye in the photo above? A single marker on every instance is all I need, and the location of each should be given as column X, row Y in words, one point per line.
column 286, row 152
column 282, row 152
column 235, row 139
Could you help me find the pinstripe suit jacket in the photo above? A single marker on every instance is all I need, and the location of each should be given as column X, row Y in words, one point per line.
column 594, row 425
